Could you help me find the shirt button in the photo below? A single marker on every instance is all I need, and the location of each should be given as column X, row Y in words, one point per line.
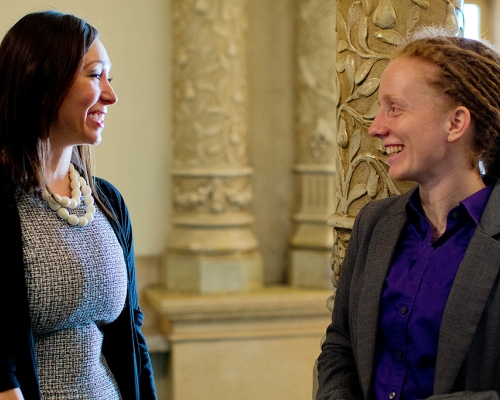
column 404, row 310
column 454, row 215
column 400, row 353
column 392, row 395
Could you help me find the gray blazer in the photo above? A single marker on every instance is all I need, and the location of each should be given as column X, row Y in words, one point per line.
column 468, row 358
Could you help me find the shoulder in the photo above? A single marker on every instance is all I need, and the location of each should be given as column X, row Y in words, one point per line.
column 376, row 210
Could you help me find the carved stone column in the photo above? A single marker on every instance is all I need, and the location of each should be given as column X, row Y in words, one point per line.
column 211, row 247
column 367, row 31
column 312, row 241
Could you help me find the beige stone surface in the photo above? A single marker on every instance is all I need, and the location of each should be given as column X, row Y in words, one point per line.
column 213, row 273
column 311, row 269
column 260, row 344
column 247, row 369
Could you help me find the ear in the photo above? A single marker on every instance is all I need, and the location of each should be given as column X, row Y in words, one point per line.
column 458, row 123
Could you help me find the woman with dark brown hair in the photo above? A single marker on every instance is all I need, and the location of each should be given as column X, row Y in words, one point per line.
column 417, row 310
column 72, row 324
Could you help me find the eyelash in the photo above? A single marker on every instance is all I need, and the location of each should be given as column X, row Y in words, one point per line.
column 98, row 76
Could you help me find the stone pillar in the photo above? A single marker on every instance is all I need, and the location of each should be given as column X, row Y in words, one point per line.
column 211, row 247
column 312, row 241
column 367, row 30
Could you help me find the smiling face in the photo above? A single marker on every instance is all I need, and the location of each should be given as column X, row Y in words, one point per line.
column 413, row 122
column 80, row 119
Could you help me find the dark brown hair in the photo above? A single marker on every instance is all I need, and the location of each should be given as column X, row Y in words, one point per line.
column 469, row 76
column 39, row 58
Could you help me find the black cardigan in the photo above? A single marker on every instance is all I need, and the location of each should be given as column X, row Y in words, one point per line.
column 123, row 346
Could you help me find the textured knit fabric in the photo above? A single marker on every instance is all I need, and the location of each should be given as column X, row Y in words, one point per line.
column 415, row 295
column 76, row 282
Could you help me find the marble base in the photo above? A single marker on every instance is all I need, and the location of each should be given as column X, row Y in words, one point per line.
column 212, row 273
column 310, row 269
column 310, row 254
column 261, row 344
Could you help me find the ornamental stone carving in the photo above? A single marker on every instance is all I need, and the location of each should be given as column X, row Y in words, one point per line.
column 211, row 247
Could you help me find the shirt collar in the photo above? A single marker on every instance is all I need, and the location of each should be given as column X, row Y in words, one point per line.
column 474, row 204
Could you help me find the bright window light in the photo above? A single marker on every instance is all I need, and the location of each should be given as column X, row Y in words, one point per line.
column 472, row 25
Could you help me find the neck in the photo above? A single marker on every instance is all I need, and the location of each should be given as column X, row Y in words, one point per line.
column 439, row 198
column 57, row 173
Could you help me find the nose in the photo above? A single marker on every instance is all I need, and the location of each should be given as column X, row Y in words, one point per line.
column 108, row 94
column 378, row 127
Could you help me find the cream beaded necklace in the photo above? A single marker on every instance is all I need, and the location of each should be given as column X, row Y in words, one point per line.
column 60, row 204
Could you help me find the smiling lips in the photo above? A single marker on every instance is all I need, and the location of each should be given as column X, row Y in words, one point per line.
column 390, row 150
column 98, row 116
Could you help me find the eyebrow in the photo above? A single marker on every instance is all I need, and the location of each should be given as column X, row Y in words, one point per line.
column 97, row 62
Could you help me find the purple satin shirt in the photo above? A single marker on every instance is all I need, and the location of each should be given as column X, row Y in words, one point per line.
column 414, row 297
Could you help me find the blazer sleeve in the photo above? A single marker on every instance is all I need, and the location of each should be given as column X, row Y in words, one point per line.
column 337, row 373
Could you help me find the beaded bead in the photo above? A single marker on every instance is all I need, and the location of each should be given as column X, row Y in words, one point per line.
column 60, row 204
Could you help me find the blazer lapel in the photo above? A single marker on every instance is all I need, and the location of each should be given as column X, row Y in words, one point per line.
column 384, row 239
column 469, row 294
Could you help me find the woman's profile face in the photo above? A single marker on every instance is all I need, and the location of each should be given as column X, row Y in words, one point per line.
column 80, row 119
column 412, row 121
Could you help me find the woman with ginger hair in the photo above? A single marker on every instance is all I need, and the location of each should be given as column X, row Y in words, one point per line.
column 417, row 309
column 71, row 323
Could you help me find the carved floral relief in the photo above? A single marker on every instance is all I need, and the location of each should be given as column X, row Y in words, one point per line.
column 210, row 121
column 212, row 195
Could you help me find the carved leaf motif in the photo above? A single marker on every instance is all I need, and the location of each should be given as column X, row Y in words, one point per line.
column 373, row 110
column 363, row 32
column 342, row 45
column 355, row 144
column 451, row 21
column 341, row 23
column 384, row 15
column 378, row 145
column 367, row 88
column 363, row 70
column 358, row 191
column 413, row 18
column 337, row 90
column 340, row 65
column 353, row 16
column 367, row 6
column 371, row 186
column 422, row 3
column 389, row 36
column 349, row 70
column 342, row 138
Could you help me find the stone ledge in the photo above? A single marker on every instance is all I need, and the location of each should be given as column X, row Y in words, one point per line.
column 268, row 312
column 276, row 301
